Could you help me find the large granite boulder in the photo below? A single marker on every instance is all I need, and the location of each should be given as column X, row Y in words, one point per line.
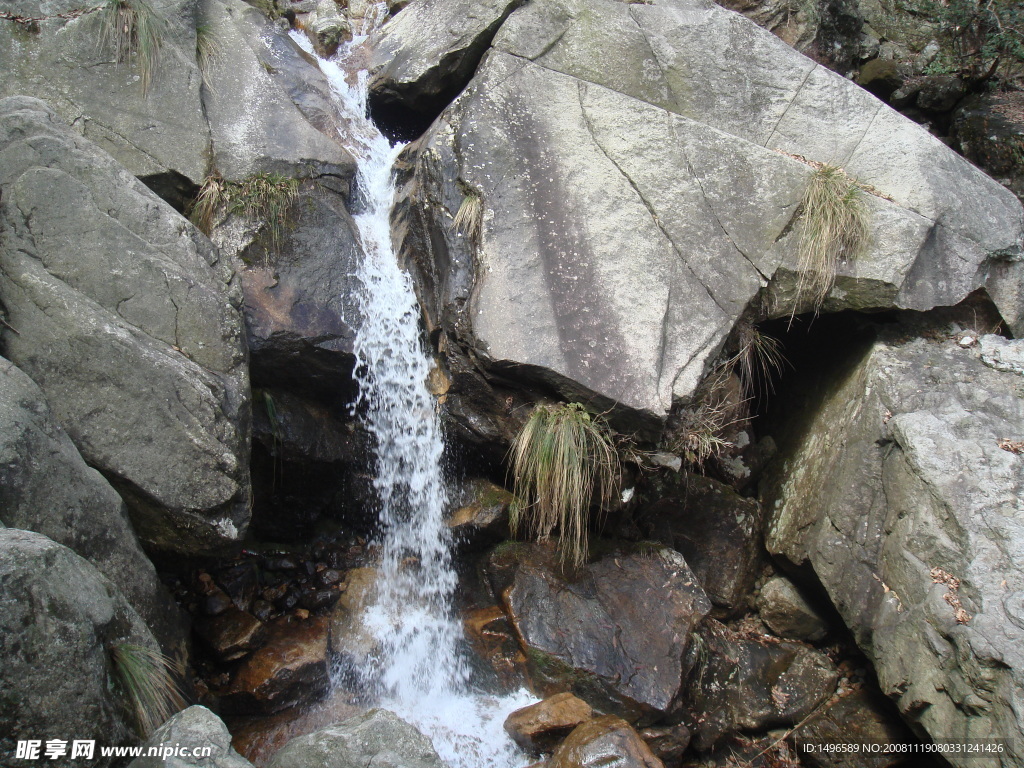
column 192, row 728
column 59, row 621
column 128, row 320
column 375, row 737
column 270, row 108
column 46, row 487
column 903, row 493
column 615, row 633
column 633, row 176
column 161, row 132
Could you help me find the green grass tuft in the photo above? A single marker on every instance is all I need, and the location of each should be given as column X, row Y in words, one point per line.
column 145, row 678
column 833, row 229
column 560, row 458
column 134, row 31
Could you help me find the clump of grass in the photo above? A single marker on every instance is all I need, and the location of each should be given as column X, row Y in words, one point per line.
column 561, row 459
column 145, row 678
column 134, row 31
column 208, row 50
column 469, row 219
column 699, row 437
column 833, row 229
column 757, row 357
column 263, row 197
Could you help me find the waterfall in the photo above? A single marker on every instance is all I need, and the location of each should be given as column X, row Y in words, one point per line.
column 420, row 672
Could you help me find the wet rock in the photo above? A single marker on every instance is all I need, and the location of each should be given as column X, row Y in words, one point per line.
column 59, row 620
column 241, row 583
column 142, row 313
column 291, row 668
column 717, row 531
column 258, row 738
column 857, row 718
column 493, row 639
column 350, row 639
column 900, row 496
column 269, row 109
column 601, row 634
column 542, row 726
column 376, row 737
column 751, row 683
column 192, row 728
column 482, row 518
column 232, row 634
column 667, row 742
column 46, row 487
column 605, row 742
column 300, row 301
column 787, row 613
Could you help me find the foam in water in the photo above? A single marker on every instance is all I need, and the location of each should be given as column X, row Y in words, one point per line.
column 420, row 672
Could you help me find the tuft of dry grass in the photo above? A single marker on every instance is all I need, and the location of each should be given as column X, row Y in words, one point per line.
column 757, row 358
column 469, row 219
column 134, row 31
column 266, row 198
column 561, row 460
column 834, row 228
column 146, row 679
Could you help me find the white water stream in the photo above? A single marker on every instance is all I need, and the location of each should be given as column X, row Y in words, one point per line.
column 420, row 672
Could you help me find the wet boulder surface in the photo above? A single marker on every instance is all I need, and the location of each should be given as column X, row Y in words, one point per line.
column 615, row 633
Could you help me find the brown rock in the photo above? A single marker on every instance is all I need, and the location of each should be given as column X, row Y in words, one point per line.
column 615, row 633
column 668, row 742
column 232, row 633
column 490, row 633
column 483, row 516
column 542, row 726
column 605, row 742
column 858, row 718
column 349, row 638
column 291, row 668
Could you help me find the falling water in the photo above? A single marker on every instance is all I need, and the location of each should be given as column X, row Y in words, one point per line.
column 420, row 672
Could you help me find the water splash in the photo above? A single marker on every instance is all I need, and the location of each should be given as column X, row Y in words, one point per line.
column 420, row 672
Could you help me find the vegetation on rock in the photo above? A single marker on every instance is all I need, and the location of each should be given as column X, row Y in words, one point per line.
column 134, row 31
column 264, row 197
column 469, row 218
column 145, row 678
column 834, row 228
column 560, row 458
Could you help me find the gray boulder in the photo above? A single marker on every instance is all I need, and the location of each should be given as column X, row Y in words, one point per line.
column 639, row 194
column 423, row 56
column 787, row 612
column 904, row 495
column 270, row 107
column 59, row 620
column 604, row 742
column 46, row 487
column 377, row 737
column 128, row 320
column 60, row 60
column 195, row 727
column 599, row 634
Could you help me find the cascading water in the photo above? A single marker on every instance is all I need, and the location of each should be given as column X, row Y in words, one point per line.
column 420, row 673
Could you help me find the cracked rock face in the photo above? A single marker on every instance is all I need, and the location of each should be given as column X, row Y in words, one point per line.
column 64, row 64
column 637, row 198
column 130, row 324
column 904, row 494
